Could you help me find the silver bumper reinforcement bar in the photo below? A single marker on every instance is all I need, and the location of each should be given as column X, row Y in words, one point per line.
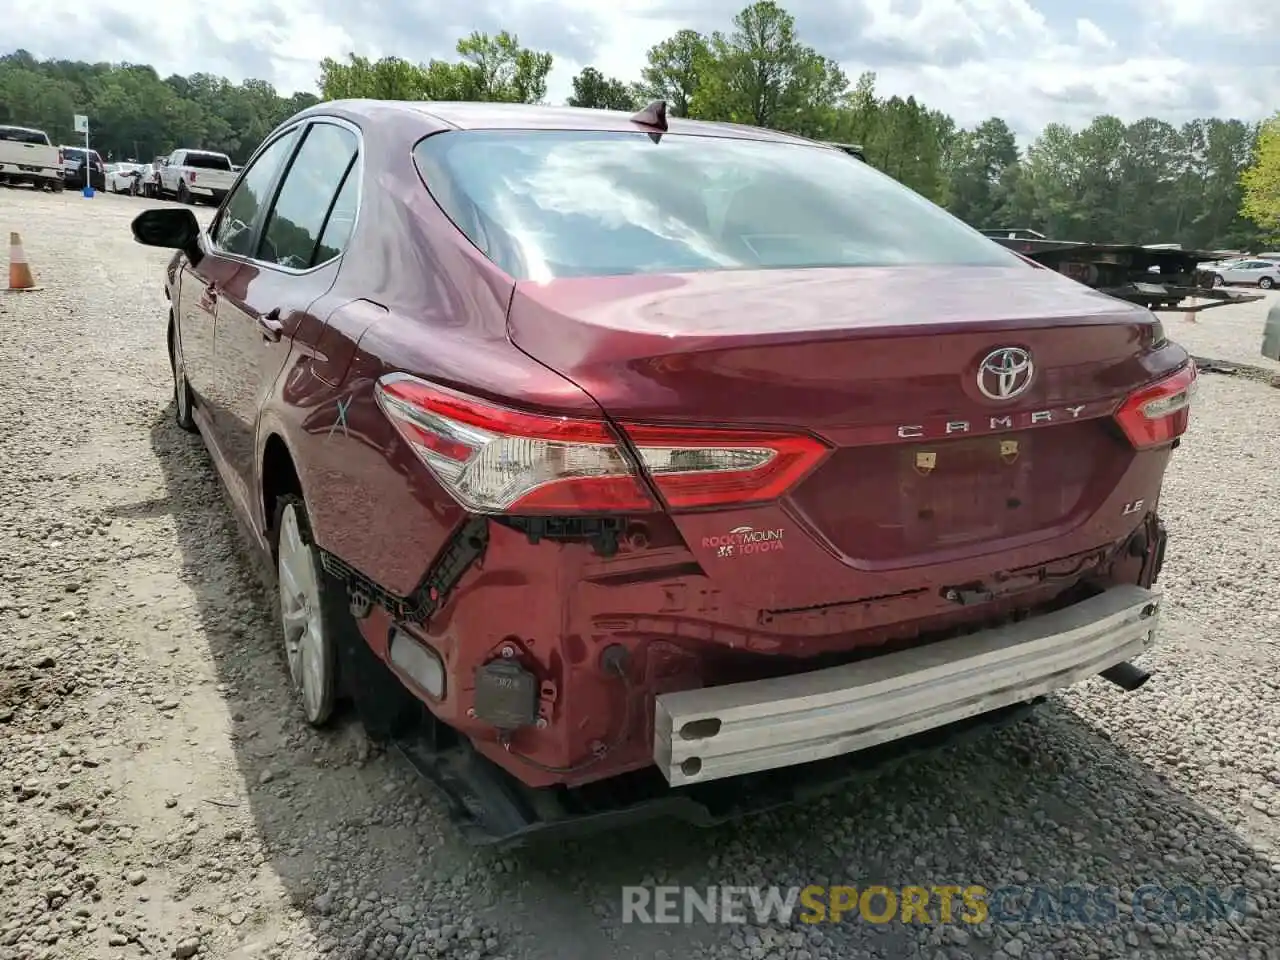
column 717, row 732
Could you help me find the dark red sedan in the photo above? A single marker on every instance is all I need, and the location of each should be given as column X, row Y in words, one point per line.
column 604, row 458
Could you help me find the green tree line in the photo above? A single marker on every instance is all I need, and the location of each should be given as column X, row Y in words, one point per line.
column 133, row 113
column 1208, row 183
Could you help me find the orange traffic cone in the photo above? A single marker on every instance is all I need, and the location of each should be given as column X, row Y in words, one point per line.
column 20, row 278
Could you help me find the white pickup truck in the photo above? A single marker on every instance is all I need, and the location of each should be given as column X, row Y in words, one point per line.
column 192, row 175
column 28, row 156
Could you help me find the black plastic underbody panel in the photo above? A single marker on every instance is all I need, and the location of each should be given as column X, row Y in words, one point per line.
column 492, row 808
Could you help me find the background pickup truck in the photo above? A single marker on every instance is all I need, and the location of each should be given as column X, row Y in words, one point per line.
column 192, row 175
column 79, row 164
column 27, row 156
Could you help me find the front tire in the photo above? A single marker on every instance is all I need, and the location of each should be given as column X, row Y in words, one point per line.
column 312, row 610
column 182, row 396
column 1218, row 281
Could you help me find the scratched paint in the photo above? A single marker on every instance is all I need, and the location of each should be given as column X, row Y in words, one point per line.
column 341, row 420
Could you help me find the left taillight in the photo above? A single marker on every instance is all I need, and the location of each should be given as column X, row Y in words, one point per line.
column 1160, row 412
column 494, row 459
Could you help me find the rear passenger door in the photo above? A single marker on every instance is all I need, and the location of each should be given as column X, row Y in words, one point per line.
column 297, row 258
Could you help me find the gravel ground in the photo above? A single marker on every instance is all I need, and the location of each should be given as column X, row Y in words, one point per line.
column 163, row 798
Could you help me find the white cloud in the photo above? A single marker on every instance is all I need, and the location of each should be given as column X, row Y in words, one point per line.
column 1092, row 35
column 1030, row 61
column 937, row 23
column 1244, row 20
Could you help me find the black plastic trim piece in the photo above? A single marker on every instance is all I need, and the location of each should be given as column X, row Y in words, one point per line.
column 1157, row 560
column 491, row 808
column 465, row 547
column 603, row 533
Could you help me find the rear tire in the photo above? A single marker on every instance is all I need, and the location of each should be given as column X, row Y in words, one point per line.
column 184, row 195
column 1218, row 281
column 1266, row 283
column 313, row 612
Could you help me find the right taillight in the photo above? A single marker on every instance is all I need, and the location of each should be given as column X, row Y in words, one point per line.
column 493, row 459
column 1159, row 413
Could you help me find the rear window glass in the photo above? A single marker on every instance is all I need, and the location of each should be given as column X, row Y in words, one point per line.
column 18, row 135
column 545, row 204
column 208, row 161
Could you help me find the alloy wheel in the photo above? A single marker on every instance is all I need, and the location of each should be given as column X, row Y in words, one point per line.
column 306, row 641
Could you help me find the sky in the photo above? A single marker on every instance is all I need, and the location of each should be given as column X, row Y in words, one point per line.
column 1031, row 62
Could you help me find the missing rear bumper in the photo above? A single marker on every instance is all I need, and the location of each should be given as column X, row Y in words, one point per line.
column 707, row 734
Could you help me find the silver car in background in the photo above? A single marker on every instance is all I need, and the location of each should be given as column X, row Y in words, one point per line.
column 1253, row 271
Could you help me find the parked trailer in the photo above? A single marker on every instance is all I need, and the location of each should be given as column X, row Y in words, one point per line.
column 1125, row 271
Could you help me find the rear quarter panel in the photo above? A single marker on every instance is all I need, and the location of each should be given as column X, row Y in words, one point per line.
column 412, row 295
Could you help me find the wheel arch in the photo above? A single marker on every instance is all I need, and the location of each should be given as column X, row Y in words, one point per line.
column 279, row 477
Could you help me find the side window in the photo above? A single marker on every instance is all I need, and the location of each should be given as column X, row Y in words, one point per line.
column 342, row 219
column 233, row 231
column 302, row 208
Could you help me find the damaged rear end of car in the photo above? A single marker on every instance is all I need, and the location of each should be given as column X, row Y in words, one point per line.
column 840, row 474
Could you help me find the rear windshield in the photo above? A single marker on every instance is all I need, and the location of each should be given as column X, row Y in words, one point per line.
column 19, row 135
column 545, row 204
column 208, row 161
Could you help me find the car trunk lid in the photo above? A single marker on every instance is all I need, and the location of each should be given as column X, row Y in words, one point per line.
column 927, row 463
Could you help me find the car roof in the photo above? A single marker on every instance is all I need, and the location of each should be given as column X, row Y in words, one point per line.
column 482, row 115
column 14, row 126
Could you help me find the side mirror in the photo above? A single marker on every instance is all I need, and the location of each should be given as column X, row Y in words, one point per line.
column 174, row 229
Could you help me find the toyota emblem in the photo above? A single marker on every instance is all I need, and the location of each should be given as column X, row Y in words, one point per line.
column 1005, row 373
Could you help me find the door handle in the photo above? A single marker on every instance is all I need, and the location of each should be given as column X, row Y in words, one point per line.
column 210, row 297
column 271, row 326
